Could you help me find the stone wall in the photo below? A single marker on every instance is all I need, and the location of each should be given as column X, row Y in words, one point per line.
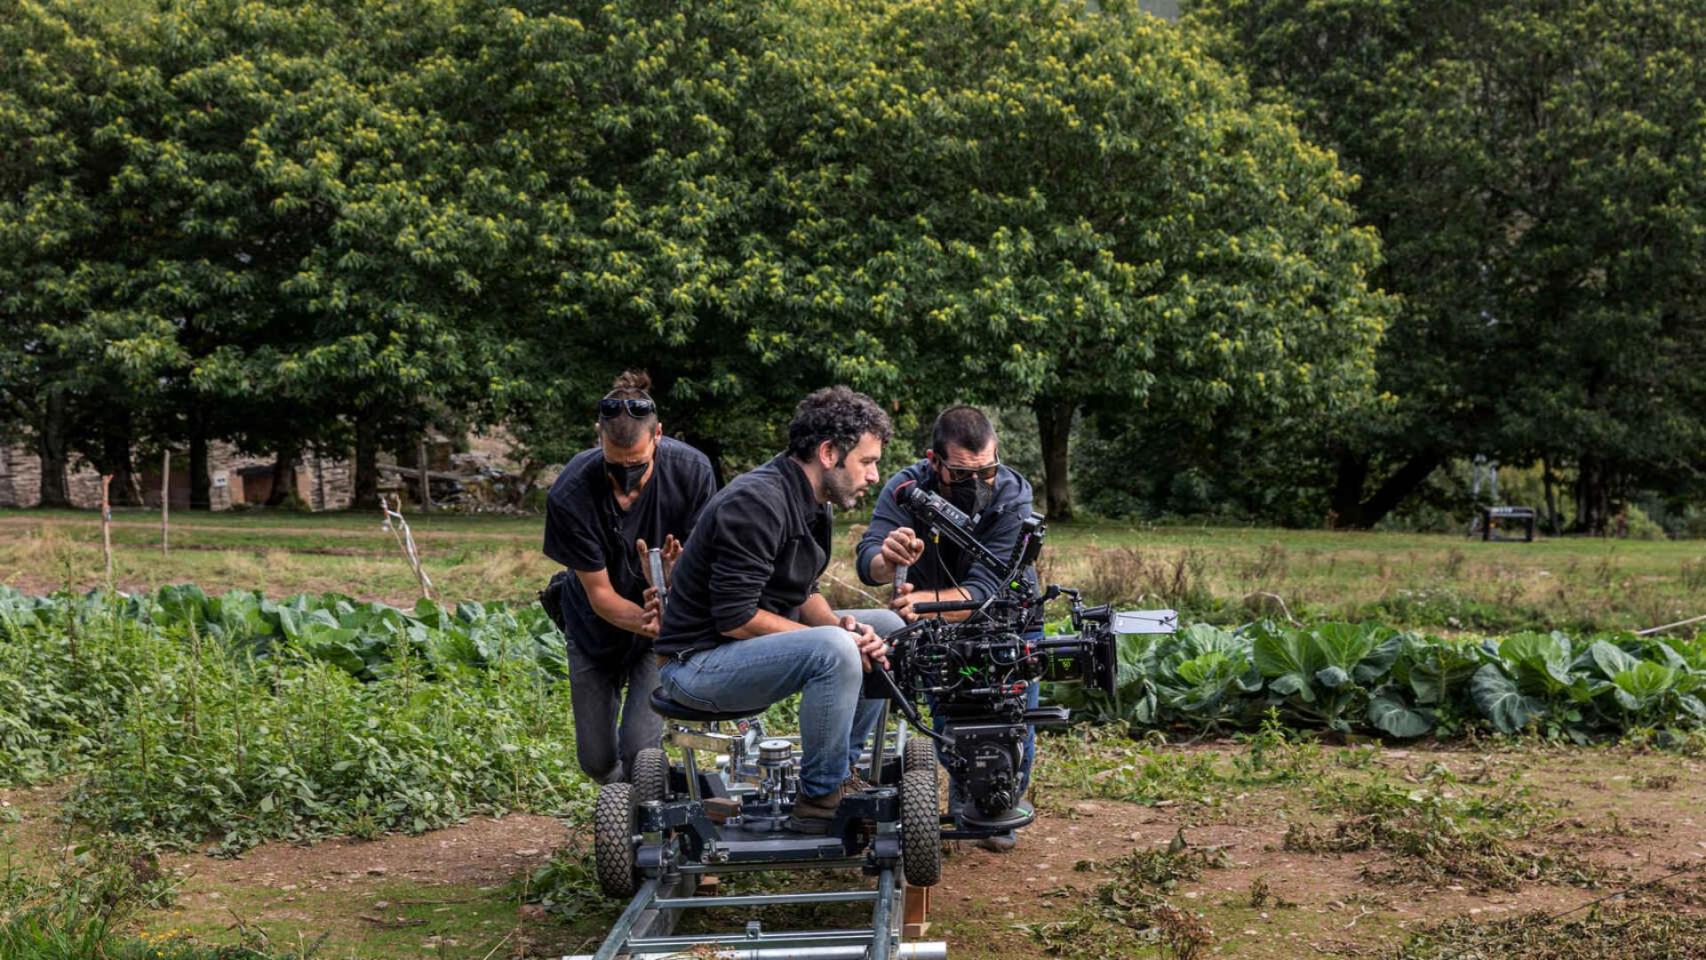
column 20, row 476
column 322, row 482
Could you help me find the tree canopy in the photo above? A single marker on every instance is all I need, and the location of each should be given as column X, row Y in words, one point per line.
column 1534, row 169
column 329, row 224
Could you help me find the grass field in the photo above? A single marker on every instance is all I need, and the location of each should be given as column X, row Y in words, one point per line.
column 1261, row 846
column 1224, row 574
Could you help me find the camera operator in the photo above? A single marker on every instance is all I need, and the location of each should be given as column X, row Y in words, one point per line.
column 746, row 626
column 637, row 487
column 964, row 467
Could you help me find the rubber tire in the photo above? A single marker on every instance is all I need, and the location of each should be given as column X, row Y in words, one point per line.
column 650, row 776
column 920, row 754
column 920, row 828
column 613, row 840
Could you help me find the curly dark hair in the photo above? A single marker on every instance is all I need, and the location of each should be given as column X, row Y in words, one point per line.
column 839, row 415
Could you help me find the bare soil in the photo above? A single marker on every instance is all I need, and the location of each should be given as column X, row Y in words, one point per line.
column 484, row 850
column 1639, row 816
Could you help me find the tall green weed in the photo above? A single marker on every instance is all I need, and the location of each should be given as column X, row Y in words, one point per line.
column 232, row 720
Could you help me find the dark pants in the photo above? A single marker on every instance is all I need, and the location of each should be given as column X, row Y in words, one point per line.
column 604, row 746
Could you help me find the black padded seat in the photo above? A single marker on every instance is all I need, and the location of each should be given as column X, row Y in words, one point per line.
column 663, row 706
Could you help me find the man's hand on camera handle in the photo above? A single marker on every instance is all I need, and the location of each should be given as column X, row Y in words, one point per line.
column 872, row 648
column 905, row 596
column 901, row 546
column 651, row 616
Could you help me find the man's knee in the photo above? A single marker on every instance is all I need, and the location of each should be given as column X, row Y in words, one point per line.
column 836, row 656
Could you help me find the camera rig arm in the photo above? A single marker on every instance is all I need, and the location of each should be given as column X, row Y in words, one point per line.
column 941, row 517
column 937, row 515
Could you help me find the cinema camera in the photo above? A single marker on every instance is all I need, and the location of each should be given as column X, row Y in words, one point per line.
column 974, row 672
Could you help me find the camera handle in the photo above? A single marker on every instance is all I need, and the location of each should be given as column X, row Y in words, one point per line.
column 907, row 710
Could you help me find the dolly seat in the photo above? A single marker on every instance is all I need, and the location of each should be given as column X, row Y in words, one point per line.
column 663, row 706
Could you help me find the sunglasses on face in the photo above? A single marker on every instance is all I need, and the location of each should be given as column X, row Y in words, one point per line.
column 637, row 407
column 985, row 473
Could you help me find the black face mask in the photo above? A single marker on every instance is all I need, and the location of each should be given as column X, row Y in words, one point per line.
column 626, row 476
column 971, row 495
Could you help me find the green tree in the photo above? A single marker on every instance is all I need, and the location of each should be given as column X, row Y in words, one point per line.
column 1534, row 171
column 63, row 241
column 1027, row 203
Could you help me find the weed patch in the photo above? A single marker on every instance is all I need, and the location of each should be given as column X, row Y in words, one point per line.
column 1639, row 930
column 1437, row 835
column 1130, row 909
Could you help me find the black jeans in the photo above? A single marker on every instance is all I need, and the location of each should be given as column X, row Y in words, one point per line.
column 604, row 746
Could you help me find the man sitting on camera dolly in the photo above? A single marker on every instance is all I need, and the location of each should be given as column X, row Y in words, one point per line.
column 962, row 466
column 745, row 625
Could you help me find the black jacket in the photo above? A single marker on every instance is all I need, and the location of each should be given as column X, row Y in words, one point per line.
column 760, row 544
column 946, row 565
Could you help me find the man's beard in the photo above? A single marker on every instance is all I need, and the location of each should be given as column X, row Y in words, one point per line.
column 841, row 489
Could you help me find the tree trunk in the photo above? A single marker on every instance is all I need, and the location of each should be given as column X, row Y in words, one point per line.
column 366, row 464
column 115, row 461
column 51, row 445
column 712, row 448
column 1398, row 486
column 201, row 487
column 1593, row 496
column 1351, row 512
column 283, row 478
column 1054, row 426
column 1551, row 483
column 1348, row 482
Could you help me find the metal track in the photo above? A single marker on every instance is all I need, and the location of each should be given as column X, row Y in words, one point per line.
column 644, row 930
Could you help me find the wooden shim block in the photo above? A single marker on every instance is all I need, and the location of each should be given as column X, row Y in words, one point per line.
column 915, row 913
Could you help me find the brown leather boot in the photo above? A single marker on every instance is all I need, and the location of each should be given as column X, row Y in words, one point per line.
column 812, row 815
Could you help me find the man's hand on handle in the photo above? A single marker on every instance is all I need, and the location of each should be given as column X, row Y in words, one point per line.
column 902, row 547
column 872, row 649
column 904, row 597
column 651, row 616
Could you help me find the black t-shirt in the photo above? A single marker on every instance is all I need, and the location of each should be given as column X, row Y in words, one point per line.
column 585, row 531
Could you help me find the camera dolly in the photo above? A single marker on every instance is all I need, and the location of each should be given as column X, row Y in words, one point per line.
column 656, row 836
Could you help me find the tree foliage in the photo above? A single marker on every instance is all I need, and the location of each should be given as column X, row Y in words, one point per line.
column 1040, row 206
column 328, row 224
column 1535, row 172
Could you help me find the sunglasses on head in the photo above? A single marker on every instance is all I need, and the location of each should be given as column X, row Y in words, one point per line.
column 637, row 407
column 985, row 473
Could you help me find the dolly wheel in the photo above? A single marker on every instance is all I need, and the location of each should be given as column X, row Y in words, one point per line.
column 920, row 828
column 650, row 776
column 613, row 840
column 920, row 754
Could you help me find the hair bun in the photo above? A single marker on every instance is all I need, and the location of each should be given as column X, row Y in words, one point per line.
column 633, row 380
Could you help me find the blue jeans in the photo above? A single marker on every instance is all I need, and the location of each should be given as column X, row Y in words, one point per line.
column 820, row 663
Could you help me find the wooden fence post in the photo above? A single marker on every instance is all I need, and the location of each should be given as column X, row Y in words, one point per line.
column 426, row 481
column 165, row 497
column 107, row 522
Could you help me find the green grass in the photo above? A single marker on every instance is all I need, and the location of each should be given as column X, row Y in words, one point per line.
column 1224, row 574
